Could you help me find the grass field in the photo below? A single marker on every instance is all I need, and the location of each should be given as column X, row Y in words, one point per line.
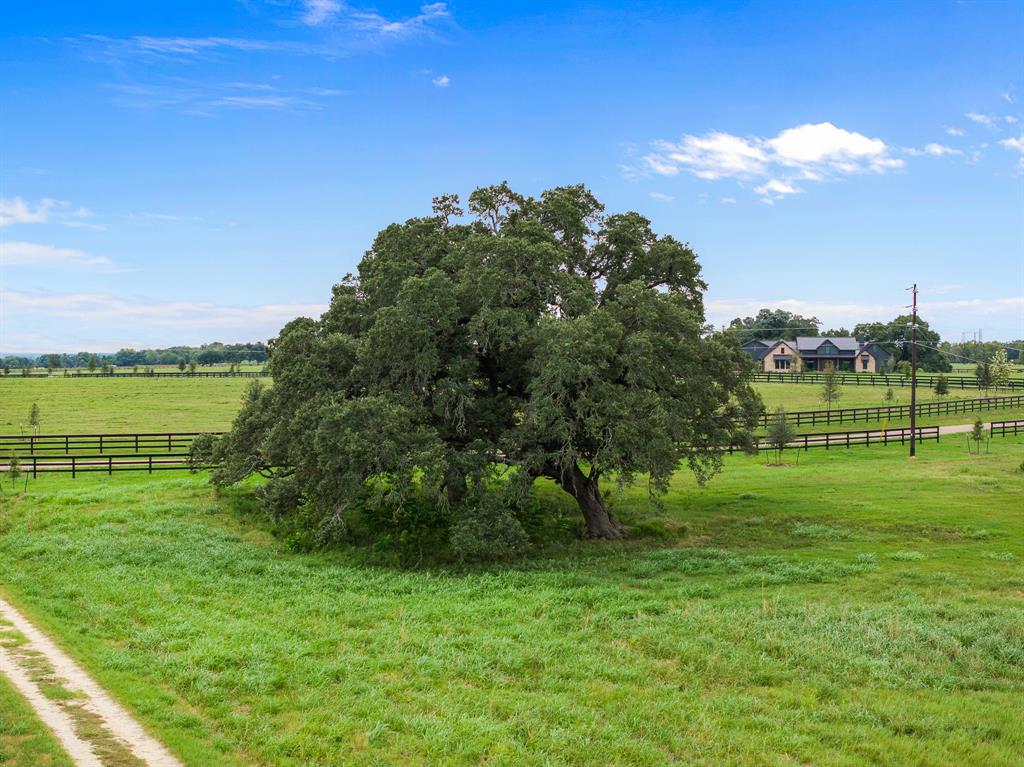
column 855, row 608
column 76, row 405
column 200, row 404
column 808, row 396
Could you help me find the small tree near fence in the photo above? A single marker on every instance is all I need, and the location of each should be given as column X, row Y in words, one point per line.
column 780, row 433
column 830, row 389
column 33, row 418
column 983, row 373
column 1001, row 368
column 976, row 436
column 941, row 386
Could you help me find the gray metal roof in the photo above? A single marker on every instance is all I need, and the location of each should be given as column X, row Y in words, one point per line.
column 810, row 344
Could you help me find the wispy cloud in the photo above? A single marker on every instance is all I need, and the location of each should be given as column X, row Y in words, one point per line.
column 329, row 28
column 320, row 11
column 933, row 150
column 17, row 211
column 442, row 82
column 104, row 321
column 954, row 132
column 981, row 119
column 661, row 197
column 32, row 254
column 811, row 152
column 200, row 97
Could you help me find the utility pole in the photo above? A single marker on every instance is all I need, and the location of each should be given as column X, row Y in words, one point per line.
column 913, row 375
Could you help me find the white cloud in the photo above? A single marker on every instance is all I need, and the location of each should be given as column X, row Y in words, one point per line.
column 372, row 22
column 954, row 132
column 933, row 149
column 980, row 118
column 1010, row 120
column 102, row 321
column 776, row 187
column 811, row 152
column 442, row 82
column 661, row 197
column 319, row 11
column 1014, row 143
column 360, row 27
column 824, row 143
column 203, row 98
column 728, row 201
column 710, row 156
column 31, row 254
column 17, row 211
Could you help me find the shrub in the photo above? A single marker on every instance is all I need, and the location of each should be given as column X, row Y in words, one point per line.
column 487, row 530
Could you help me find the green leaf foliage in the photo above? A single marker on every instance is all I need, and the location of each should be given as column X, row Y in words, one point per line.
column 472, row 355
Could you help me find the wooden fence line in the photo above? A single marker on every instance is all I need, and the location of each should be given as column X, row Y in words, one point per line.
column 102, row 443
column 882, row 379
column 882, row 412
column 1002, row 428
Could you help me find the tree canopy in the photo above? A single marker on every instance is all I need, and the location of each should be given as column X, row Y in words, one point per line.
column 774, row 323
column 894, row 337
column 472, row 355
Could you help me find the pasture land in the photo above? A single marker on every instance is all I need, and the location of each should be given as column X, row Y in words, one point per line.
column 806, row 396
column 112, row 405
column 854, row 608
column 967, row 369
column 86, row 405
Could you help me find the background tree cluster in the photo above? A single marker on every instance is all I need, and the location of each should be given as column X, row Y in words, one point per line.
column 537, row 338
column 206, row 354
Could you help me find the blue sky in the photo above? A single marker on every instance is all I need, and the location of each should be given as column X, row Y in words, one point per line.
column 182, row 172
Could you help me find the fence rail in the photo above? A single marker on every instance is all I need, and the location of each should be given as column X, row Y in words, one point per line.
column 884, row 412
column 845, row 439
column 1002, row 428
column 34, row 465
column 884, row 379
column 102, row 443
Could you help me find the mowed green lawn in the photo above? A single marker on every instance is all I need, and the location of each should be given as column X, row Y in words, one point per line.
column 109, row 405
column 854, row 608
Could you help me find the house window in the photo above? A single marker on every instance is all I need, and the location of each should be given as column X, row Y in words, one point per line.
column 781, row 364
column 864, row 362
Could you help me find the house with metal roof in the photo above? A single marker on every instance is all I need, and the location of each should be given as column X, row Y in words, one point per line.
column 818, row 353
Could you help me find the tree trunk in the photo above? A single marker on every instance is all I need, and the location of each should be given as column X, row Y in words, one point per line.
column 600, row 522
column 455, row 486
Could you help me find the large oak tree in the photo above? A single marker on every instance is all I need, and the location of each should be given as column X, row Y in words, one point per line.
column 528, row 338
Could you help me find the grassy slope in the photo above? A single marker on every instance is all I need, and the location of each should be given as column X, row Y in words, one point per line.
column 121, row 405
column 852, row 609
column 24, row 740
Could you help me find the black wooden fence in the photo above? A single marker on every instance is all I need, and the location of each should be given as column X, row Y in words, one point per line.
column 844, row 439
column 884, row 379
column 66, row 444
column 1003, row 428
column 895, row 412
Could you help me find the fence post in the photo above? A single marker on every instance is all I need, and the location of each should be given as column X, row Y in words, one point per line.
column 110, row 465
column 73, row 472
column 101, row 443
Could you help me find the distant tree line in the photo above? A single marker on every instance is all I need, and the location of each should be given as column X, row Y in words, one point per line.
column 207, row 354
